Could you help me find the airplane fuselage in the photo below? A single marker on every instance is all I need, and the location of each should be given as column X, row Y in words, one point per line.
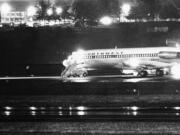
column 126, row 58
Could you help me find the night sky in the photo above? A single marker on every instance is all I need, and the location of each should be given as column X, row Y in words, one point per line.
column 21, row 5
column 18, row 5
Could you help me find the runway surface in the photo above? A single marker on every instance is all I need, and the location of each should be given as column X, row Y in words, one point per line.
column 96, row 85
column 101, row 100
column 103, row 78
column 91, row 105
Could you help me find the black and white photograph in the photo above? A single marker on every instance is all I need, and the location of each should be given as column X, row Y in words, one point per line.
column 89, row 67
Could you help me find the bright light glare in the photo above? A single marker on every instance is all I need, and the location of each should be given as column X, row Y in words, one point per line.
column 50, row 11
column 135, row 73
column 65, row 63
column 125, row 9
column 5, row 8
column 133, row 62
column 81, row 113
column 80, row 51
column 32, row 108
column 134, row 113
column 59, row 10
column 78, row 55
column 177, row 108
column 33, row 112
column 134, row 108
column 51, row 23
column 106, row 20
column 81, row 108
column 7, row 113
column 175, row 71
column 31, row 11
column 8, row 108
column 60, row 113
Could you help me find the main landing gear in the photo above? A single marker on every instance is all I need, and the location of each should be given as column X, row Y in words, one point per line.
column 144, row 73
column 159, row 72
column 77, row 73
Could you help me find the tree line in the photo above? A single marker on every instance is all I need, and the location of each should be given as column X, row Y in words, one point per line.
column 92, row 10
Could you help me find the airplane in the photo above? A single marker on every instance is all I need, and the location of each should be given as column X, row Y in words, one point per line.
column 163, row 60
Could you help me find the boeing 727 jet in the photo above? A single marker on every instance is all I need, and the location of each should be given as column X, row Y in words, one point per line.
column 138, row 59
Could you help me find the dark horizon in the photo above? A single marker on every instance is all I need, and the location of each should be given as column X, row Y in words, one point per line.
column 22, row 5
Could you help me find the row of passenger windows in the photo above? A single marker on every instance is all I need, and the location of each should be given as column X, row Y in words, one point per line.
column 122, row 56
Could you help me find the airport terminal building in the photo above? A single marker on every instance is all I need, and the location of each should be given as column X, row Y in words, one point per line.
column 14, row 18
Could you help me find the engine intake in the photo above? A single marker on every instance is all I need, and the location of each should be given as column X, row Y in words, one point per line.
column 169, row 55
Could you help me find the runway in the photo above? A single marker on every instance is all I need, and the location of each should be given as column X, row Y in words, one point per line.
column 102, row 78
column 93, row 98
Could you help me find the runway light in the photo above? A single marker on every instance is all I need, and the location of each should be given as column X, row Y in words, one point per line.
column 80, row 113
column 59, row 10
column 134, row 113
column 33, row 108
column 7, row 113
column 43, row 112
column 177, row 108
column 8, row 108
column 60, row 113
column 134, row 90
column 81, row 108
column 5, row 8
column 33, row 113
column 175, row 71
column 134, row 108
column 42, row 108
column 31, row 11
column 106, row 20
column 49, row 12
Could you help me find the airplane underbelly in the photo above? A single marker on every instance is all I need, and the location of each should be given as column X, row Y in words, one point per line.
column 102, row 62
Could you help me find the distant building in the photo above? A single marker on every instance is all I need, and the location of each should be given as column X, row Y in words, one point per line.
column 14, row 18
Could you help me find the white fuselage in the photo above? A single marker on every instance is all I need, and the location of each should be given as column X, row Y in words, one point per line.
column 126, row 58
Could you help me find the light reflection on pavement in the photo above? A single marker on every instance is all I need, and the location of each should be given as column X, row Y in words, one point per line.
column 105, row 78
column 119, row 78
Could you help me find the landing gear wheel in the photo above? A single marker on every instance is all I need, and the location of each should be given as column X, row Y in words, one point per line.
column 75, row 75
column 85, row 74
column 143, row 73
column 69, row 76
column 159, row 73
